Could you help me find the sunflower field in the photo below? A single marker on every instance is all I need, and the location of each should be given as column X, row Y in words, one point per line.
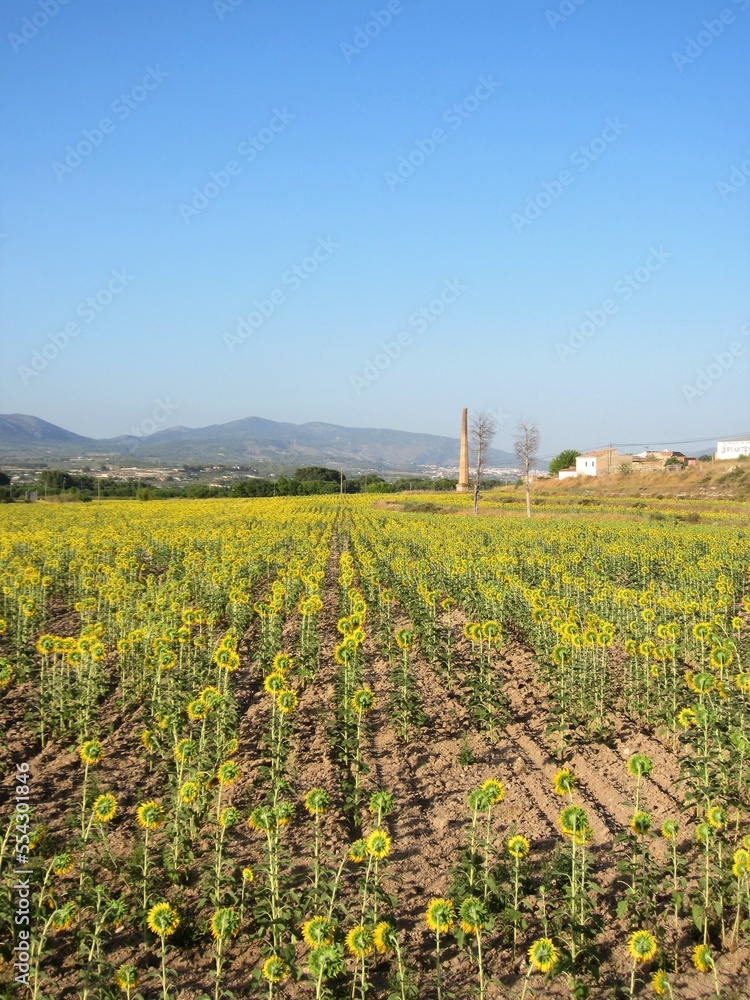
column 320, row 748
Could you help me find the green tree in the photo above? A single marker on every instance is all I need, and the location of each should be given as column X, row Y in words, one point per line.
column 563, row 461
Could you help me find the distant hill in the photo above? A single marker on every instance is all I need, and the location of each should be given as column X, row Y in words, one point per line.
column 265, row 444
column 21, row 429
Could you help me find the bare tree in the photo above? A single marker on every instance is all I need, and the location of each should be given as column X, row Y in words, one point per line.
column 483, row 429
column 526, row 446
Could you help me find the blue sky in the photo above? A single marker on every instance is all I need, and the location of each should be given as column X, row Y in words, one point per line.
column 560, row 188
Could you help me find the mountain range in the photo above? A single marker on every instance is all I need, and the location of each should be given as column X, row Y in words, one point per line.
column 264, row 445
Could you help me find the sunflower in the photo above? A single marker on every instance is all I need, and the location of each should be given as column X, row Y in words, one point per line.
column 640, row 824
column 275, row 970
column 363, row 700
column 440, row 915
column 225, row 923
column 286, row 701
column 91, row 752
column 543, row 955
column 742, row 681
column 659, row 982
column 574, row 823
column 227, row 773
column 229, row 817
column 494, row 790
column 275, row 683
column 197, row 710
column 473, row 916
column 686, row 718
column 150, row 815
column 282, row 662
column 248, row 875
column 359, row 941
column 184, row 750
column 717, row 817
column 163, row 920
column 640, row 765
column 262, row 819
column 381, row 803
column 126, row 977
column 62, row 863
column 384, row 937
column 358, row 851
column 642, row 946
column 741, row 865
column 63, row 917
column 378, row 844
column 317, row 801
column 517, row 847
column 188, row 792
column 318, row 931
column 104, row 808
column 669, row 829
column 703, row 960
column 564, row 782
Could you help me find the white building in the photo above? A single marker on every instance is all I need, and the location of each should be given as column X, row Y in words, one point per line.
column 734, row 448
column 569, row 473
column 598, row 463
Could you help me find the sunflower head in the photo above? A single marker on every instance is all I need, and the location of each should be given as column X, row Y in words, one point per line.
column 378, row 844
column 686, row 718
column 62, row 863
column 517, row 847
column 150, row 815
column 318, row 932
column 274, row 683
column 163, row 920
column 494, row 790
column 358, row 851
column 104, row 808
column 564, row 782
column 225, row 923
column 642, row 946
column 543, row 955
column 384, row 937
column 228, row 772
column 473, row 915
column 381, row 803
column 188, row 792
column 440, row 915
column 717, row 817
column 229, row 817
column 91, row 752
column 741, row 865
column 574, row 823
column 359, row 941
column 326, row 962
column 640, row 765
column 669, row 829
column 126, row 977
column 275, row 970
column 286, row 701
column 703, row 959
column 317, row 801
column 363, row 700
column 659, row 983
column 282, row 662
column 640, row 824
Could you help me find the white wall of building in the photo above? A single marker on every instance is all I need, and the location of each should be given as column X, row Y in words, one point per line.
column 733, row 449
